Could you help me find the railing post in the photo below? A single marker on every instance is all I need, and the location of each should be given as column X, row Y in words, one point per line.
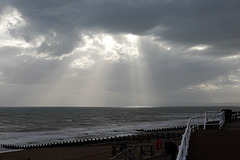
column 221, row 119
column 198, row 123
column 205, row 120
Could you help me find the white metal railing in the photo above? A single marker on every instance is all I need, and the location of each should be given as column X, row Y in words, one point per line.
column 221, row 119
column 213, row 116
column 192, row 124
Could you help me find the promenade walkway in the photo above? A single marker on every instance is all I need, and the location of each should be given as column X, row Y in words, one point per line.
column 211, row 144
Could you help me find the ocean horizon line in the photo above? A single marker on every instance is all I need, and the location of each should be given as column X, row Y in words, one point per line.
column 236, row 104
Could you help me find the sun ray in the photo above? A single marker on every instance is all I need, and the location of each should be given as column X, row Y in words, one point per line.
column 91, row 81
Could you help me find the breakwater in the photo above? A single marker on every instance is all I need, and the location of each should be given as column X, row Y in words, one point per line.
column 144, row 135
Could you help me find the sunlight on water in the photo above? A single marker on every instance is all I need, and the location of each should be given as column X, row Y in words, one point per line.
column 138, row 106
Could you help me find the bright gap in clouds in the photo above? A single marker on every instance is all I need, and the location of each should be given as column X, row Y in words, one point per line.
column 11, row 18
column 199, row 47
column 105, row 47
column 108, row 42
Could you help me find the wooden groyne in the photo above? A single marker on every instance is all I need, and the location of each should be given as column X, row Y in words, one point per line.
column 145, row 135
column 164, row 129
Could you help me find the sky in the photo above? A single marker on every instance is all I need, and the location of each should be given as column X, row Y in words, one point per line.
column 119, row 52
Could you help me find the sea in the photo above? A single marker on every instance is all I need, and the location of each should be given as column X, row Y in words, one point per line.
column 39, row 125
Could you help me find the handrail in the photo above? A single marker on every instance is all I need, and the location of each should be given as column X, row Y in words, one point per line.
column 193, row 123
column 213, row 116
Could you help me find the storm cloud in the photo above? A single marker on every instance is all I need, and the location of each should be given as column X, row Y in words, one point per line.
column 104, row 52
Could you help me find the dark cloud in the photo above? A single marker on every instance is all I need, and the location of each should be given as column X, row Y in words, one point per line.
column 60, row 35
column 186, row 22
